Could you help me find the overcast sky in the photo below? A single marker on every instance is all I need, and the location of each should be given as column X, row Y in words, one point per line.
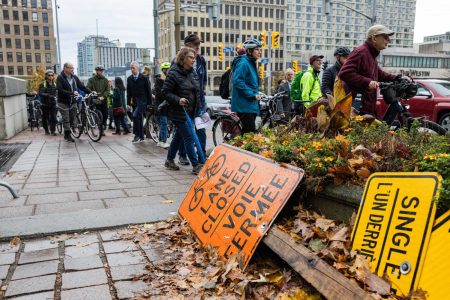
column 132, row 21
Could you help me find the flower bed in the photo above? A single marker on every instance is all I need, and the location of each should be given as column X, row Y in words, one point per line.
column 354, row 154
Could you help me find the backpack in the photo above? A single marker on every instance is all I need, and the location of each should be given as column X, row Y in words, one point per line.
column 296, row 87
column 224, row 88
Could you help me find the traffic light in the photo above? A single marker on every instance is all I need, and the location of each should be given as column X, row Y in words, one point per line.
column 263, row 38
column 275, row 40
column 295, row 65
column 261, row 72
column 220, row 52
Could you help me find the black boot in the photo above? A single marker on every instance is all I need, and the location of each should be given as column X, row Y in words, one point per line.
column 68, row 137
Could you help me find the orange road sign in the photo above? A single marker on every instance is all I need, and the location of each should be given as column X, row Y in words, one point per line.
column 435, row 276
column 235, row 199
column 393, row 226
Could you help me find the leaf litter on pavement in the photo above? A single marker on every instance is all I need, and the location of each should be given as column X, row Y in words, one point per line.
column 184, row 269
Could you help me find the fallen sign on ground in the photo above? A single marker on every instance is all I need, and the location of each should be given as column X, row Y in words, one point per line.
column 235, row 199
column 393, row 226
column 436, row 270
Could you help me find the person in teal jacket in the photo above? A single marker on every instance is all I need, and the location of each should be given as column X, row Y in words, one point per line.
column 310, row 81
column 245, row 85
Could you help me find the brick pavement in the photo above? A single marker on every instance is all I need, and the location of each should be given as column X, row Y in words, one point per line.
column 59, row 180
column 92, row 265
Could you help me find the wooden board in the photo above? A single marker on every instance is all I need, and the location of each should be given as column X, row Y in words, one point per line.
column 323, row 277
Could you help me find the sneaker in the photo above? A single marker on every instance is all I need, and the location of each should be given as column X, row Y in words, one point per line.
column 170, row 164
column 116, row 133
column 183, row 161
column 197, row 169
column 136, row 140
column 126, row 132
column 164, row 145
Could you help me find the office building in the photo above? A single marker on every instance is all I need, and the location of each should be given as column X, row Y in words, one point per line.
column 436, row 44
column 309, row 31
column 86, row 53
column 239, row 21
column 26, row 36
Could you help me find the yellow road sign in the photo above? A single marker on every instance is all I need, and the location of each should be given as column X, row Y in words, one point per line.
column 435, row 276
column 394, row 223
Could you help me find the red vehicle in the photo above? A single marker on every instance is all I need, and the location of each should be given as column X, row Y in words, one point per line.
column 431, row 102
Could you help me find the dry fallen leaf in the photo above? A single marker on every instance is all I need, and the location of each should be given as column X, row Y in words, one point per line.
column 15, row 241
column 167, row 201
column 324, row 224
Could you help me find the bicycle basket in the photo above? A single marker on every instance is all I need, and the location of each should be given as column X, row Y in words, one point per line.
column 231, row 125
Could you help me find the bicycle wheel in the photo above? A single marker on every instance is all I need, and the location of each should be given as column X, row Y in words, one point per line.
column 431, row 127
column 94, row 126
column 77, row 129
column 38, row 118
column 152, row 128
column 59, row 123
column 224, row 129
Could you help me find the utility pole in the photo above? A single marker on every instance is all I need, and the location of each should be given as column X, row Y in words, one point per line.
column 155, row 33
column 177, row 24
column 57, row 36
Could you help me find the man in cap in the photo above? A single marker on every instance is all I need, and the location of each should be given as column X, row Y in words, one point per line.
column 310, row 82
column 99, row 84
column 193, row 41
column 361, row 72
column 47, row 92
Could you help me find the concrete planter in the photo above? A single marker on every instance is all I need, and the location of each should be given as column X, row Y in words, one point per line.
column 13, row 106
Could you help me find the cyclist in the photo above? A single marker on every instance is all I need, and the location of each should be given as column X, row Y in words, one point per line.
column 99, row 84
column 361, row 72
column 329, row 75
column 47, row 92
column 159, row 98
column 245, row 97
column 67, row 85
column 284, row 106
column 310, row 83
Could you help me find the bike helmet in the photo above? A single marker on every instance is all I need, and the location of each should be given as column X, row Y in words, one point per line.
column 164, row 65
column 342, row 51
column 99, row 68
column 252, row 44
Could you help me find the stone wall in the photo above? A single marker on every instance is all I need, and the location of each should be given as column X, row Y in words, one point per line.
column 13, row 106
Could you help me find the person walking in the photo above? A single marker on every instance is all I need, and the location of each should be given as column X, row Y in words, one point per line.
column 99, row 84
column 119, row 107
column 109, row 100
column 361, row 72
column 181, row 91
column 245, row 93
column 139, row 93
column 67, row 85
column 284, row 106
column 159, row 98
column 47, row 93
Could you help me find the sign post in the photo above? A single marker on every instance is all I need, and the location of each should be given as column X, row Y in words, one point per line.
column 235, row 199
column 393, row 226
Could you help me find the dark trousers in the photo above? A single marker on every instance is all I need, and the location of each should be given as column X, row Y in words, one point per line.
column 49, row 116
column 138, row 117
column 103, row 108
column 118, row 120
column 248, row 122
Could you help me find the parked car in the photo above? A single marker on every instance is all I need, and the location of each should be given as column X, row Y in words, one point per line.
column 216, row 104
column 431, row 102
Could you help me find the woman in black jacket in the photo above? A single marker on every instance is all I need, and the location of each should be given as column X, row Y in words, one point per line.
column 119, row 106
column 180, row 89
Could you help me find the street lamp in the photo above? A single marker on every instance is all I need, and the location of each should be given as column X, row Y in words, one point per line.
column 57, row 36
column 326, row 6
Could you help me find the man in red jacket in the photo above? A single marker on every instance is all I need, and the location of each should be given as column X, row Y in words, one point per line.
column 361, row 72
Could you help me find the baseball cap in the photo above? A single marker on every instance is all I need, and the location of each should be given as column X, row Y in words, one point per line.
column 193, row 38
column 378, row 30
column 99, row 67
column 314, row 58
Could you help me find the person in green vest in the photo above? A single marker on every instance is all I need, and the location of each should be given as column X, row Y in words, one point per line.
column 310, row 82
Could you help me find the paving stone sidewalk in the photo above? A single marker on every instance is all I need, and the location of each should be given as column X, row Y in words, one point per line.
column 93, row 265
column 110, row 183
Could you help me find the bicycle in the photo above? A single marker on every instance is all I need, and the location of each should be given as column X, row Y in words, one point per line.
column 87, row 120
column 34, row 113
column 227, row 125
column 151, row 125
column 397, row 115
column 59, row 122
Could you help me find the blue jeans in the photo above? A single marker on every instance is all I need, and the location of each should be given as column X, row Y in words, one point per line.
column 183, row 135
column 138, row 113
column 201, row 133
column 163, row 130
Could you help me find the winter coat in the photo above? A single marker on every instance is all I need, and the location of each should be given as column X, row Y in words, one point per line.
column 47, row 93
column 359, row 70
column 158, row 90
column 310, row 84
column 181, row 83
column 139, row 90
column 245, row 85
column 99, row 84
column 285, row 104
column 328, row 78
column 118, row 99
column 65, row 90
